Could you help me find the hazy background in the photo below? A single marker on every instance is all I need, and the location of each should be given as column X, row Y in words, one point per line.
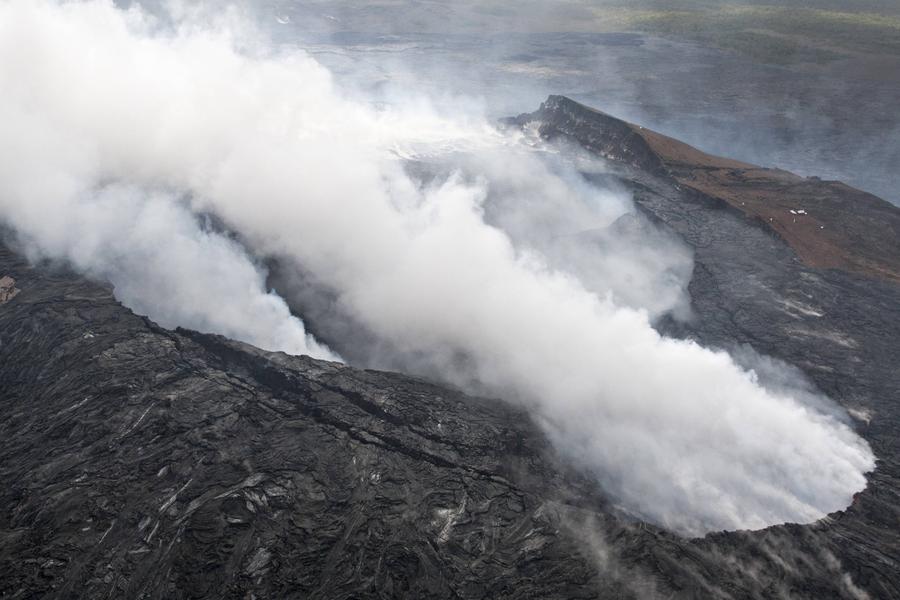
column 810, row 86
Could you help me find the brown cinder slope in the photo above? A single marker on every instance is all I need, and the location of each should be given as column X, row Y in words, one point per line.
column 828, row 224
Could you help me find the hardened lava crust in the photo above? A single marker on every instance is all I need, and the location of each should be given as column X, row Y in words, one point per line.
column 140, row 462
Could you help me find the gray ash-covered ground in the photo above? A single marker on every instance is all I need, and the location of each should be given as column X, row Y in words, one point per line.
column 142, row 462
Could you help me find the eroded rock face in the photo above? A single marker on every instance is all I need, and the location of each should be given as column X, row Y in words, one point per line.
column 142, row 462
column 8, row 289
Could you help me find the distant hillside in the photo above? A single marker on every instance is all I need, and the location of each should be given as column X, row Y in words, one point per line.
column 775, row 32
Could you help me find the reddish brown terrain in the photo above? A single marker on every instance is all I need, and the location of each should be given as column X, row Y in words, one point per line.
column 828, row 224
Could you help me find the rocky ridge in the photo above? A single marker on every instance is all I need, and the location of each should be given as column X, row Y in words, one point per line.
column 828, row 224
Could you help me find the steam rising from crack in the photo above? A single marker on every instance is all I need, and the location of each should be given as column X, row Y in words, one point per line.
column 430, row 232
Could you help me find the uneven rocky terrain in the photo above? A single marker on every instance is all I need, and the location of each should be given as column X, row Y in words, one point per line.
column 826, row 223
column 140, row 462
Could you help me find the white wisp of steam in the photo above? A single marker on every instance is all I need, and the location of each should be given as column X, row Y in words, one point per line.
column 265, row 141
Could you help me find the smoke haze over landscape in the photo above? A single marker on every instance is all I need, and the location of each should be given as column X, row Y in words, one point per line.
column 177, row 161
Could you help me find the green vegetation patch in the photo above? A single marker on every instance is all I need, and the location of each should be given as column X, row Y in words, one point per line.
column 767, row 33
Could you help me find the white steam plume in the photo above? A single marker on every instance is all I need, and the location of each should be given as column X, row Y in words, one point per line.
column 163, row 263
column 267, row 143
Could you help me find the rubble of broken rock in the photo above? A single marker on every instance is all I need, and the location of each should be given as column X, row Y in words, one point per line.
column 140, row 462
column 8, row 289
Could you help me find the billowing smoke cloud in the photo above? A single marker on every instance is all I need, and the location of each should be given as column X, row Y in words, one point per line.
column 162, row 262
column 115, row 140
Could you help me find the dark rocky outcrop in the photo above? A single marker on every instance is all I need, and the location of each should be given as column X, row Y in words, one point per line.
column 144, row 463
column 826, row 223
